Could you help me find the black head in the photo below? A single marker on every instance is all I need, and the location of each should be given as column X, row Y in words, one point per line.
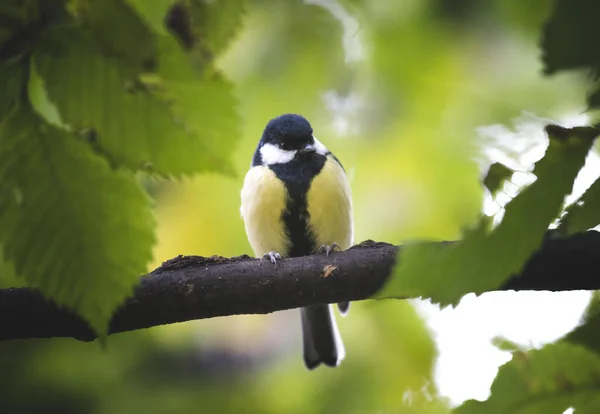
column 289, row 132
column 285, row 138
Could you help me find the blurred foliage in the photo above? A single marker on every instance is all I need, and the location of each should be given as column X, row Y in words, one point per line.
column 445, row 273
column 569, row 40
column 105, row 100
column 582, row 214
column 549, row 380
column 497, row 174
column 586, row 333
column 559, row 376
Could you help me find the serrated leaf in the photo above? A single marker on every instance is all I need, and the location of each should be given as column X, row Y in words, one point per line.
column 38, row 96
column 584, row 213
column 74, row 228
column 119, row 33
column 153, row 12
column 215, row 119
column 216, row 23
column 544, row 381
column 134, row 128
column 484, row 259
column 205, row 28
column 497, row 174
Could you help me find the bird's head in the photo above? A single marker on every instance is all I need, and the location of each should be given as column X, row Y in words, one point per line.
column 286, row 138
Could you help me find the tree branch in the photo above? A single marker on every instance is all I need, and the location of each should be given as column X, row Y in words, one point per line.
column 192, row 287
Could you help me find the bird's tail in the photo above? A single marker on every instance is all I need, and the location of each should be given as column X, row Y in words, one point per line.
column 321, row 339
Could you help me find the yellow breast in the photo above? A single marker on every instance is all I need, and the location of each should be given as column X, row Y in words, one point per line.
column 263, row 202
column 330, row 206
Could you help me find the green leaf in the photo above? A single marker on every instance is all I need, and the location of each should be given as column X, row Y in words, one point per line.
column 216, row 23
column 496, row 176
column 205, row 28
column 214, row 119
column 586, row 334
column 505, row 344
column 38, row 96
column 569, row 39
column 584, row 213
column 484, row 259
column 11, row 83
column 74, row 228
column 594, row 98
column 153, row 12
column 137, row 128
column 119, row 33
column 8, row 278
column 545, row 381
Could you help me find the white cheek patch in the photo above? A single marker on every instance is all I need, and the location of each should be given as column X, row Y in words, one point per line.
column 321, row 149
column 272, row 154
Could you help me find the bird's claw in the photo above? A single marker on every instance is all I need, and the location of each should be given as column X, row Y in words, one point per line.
column 328, row 248
column 272, row 256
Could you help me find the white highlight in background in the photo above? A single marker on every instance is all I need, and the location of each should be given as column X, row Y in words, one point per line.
column 468, row 361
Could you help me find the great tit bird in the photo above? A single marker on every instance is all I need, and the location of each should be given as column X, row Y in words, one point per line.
column 296, row 201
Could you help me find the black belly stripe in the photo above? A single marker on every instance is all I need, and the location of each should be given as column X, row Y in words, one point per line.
column 297, row 176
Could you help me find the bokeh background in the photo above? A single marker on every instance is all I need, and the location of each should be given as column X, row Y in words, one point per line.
column 416, row 98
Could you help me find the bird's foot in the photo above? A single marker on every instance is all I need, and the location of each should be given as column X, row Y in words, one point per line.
column 272, row 256
column 328, row 248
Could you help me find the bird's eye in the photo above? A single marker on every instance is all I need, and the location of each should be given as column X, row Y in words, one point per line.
column 285, row 146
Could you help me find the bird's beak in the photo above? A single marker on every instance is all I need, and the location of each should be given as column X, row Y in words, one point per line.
column 308, row 149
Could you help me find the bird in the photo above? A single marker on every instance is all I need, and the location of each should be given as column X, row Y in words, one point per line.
column 296, row 201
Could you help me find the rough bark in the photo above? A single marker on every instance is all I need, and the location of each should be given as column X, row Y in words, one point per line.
column 192, row 287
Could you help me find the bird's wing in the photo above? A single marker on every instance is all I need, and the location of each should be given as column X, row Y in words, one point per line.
column 263, row 201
